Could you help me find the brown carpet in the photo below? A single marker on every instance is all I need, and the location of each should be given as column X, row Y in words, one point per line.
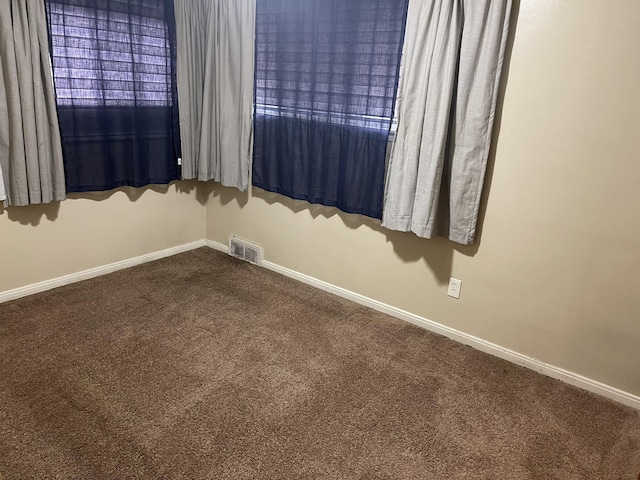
column 200, row 366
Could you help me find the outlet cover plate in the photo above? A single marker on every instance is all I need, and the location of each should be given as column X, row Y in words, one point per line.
column 454, row 287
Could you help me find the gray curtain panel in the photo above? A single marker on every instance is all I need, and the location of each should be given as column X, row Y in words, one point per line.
column 30, row 148
column 215, row 88
column 450, row 74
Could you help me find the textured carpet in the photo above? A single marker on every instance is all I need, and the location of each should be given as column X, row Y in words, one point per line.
column 200, row 366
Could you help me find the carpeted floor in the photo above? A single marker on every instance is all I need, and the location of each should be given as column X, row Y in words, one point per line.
column 200, row 366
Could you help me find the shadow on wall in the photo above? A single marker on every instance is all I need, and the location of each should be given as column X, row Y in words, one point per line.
column 33, row 214
column 201, row 189
column 436, row 253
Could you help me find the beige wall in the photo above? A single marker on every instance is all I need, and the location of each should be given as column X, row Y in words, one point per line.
column 556, row 274
column 42, row 242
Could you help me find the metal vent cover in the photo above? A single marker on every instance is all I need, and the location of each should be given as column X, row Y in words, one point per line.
column 244, row 250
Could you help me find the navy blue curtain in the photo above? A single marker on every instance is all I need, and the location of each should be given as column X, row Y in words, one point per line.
column 114, row 69
column 325, row 84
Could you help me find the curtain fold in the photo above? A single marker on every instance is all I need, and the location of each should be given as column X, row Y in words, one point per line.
column 326, row 79
column 2, row 190
column 30, row 147
column 450, row 75
column 215, row 88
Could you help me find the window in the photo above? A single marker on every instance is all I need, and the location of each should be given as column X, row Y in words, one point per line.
column 325, row 86
column 114, row 74
column 110, row 57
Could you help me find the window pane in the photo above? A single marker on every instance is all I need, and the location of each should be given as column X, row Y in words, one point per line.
column 112, row 55
column 329, row 61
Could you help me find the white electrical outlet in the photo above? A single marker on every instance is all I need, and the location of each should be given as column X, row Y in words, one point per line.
column 454, row 287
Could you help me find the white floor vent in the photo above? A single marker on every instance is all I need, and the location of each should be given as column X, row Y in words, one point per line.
column 245, row 250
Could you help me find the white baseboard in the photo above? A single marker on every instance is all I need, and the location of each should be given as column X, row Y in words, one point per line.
column 475, row 342
column 95, row 272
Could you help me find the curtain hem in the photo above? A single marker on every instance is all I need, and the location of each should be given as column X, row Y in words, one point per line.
column 318, row 201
